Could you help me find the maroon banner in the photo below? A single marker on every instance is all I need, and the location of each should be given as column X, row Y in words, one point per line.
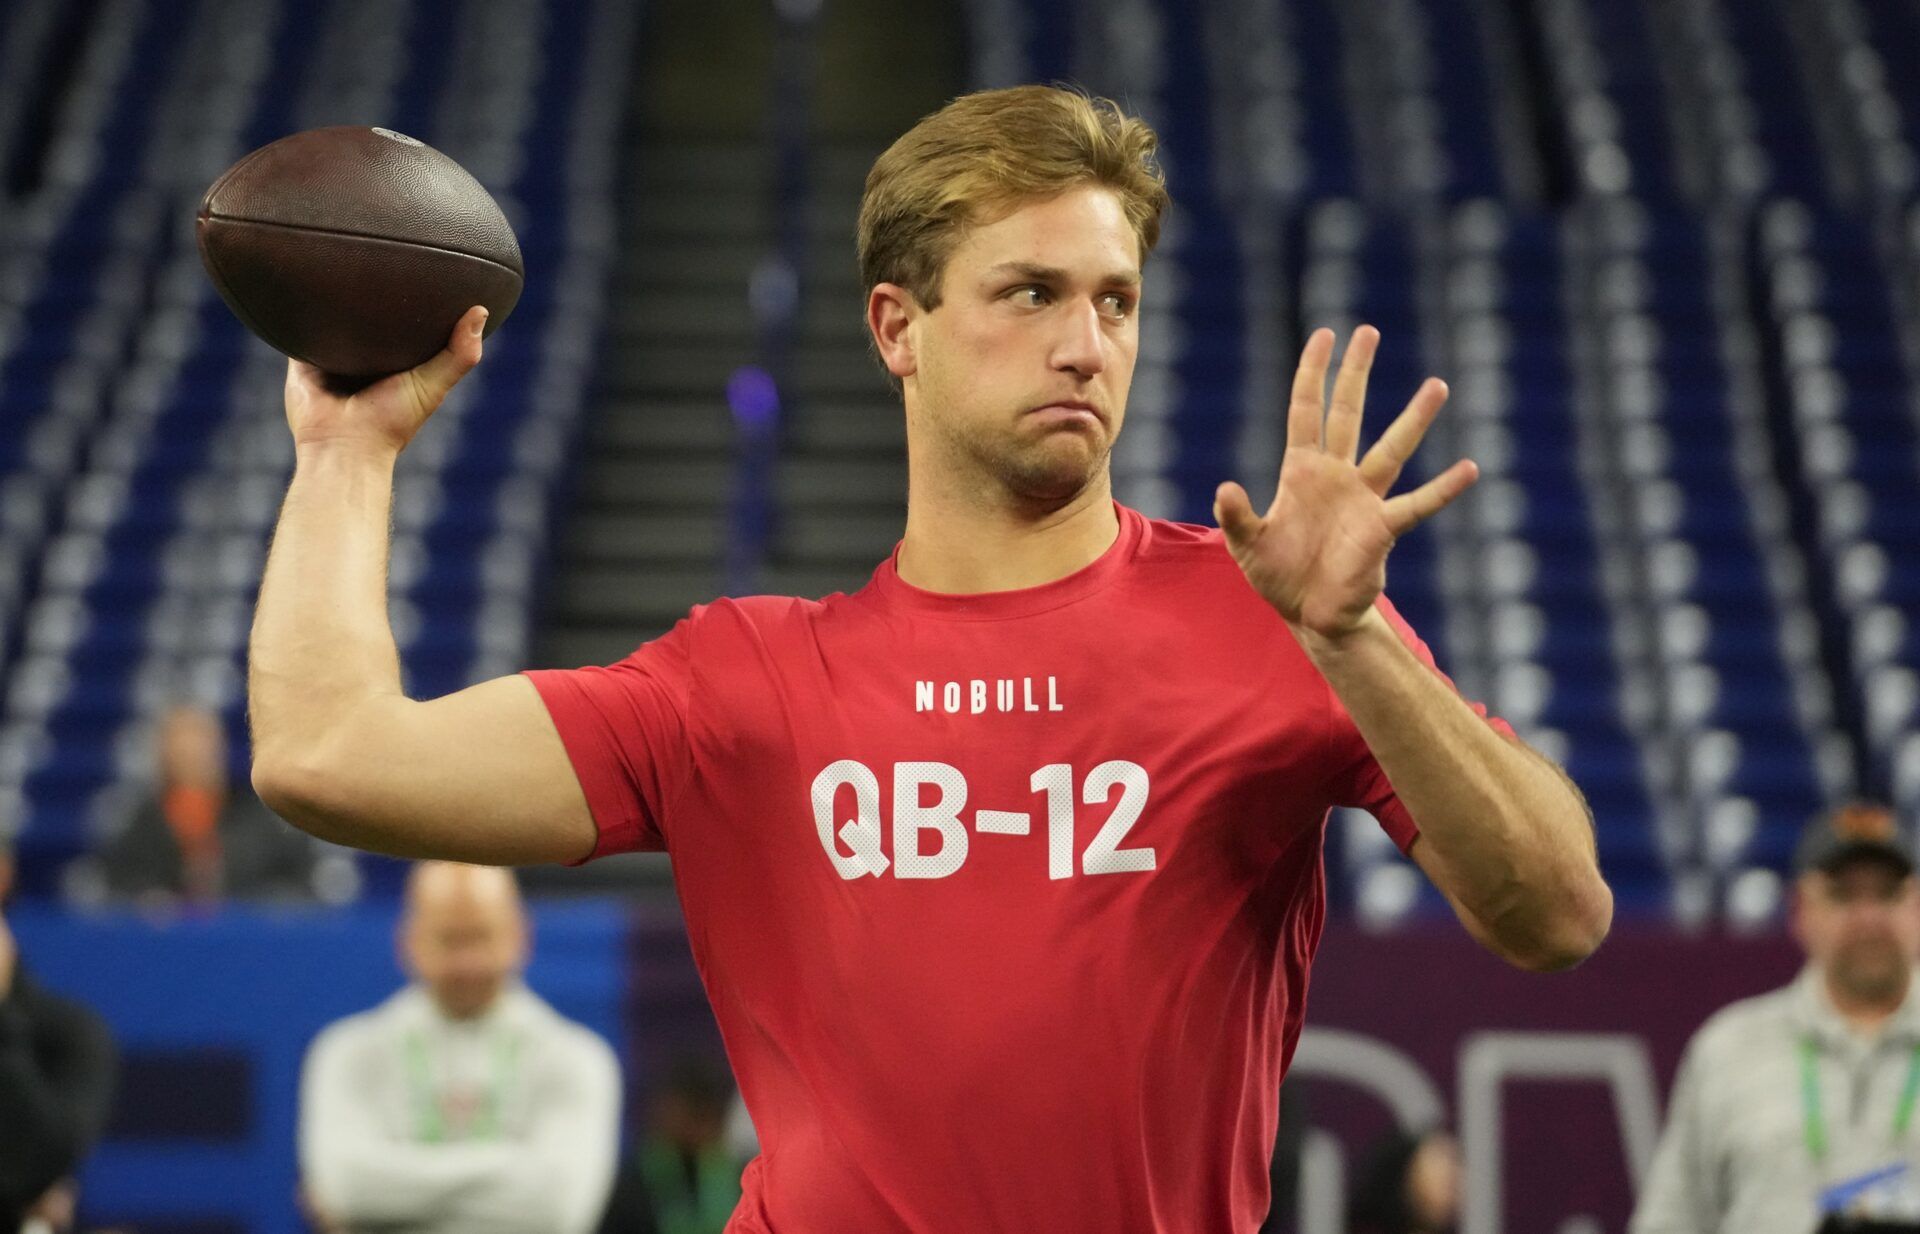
column 1555, row 1083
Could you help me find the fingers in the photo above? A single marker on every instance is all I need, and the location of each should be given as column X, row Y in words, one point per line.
column 454, row 361
column 1382, row 465
column 1409, row 510
column 1309, row 390
column 1234, row 512
column 1350, row 394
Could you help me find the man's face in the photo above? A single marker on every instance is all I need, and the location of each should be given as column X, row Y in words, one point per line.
column 1860, row 925
column 463, row 941
column 1038, row 308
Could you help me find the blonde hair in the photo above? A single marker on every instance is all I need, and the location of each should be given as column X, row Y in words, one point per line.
column 983, row 155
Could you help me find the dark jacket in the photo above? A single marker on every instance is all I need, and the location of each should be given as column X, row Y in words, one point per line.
column 263, row 857
column 57, row 1067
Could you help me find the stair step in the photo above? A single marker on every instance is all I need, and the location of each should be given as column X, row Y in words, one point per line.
column 703, row 163
column 618, row 595
column 641, row 539
column 657, row 426
column 881, row 433
column 839, row 536
column 838, row 481
column 637, row 480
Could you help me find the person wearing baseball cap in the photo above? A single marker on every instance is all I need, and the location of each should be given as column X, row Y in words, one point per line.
column 1794, row 1111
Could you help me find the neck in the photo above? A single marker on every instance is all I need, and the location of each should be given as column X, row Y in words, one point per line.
column 968, row 544
column 1865, row 1014
column 475, row 1016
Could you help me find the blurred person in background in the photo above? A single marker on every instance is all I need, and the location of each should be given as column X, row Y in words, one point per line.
column 1797, row 1106
column 1408, row 1184
column 198, row 839
column 683, row 1177
column 57, row 1068
column 464, row 1102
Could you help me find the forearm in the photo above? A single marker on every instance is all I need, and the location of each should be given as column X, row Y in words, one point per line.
column 321, row 642
column 480, row 1187
column 1509, row 837
column 562, row 1171
column 383, row 1182
column 537, row 1189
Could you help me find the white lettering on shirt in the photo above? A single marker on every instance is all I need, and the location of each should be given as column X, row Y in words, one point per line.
column 913, row 819
column 862, row 834
column 978, row 695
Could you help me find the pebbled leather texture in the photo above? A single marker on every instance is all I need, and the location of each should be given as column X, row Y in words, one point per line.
column 355, row 307
column 355, row 251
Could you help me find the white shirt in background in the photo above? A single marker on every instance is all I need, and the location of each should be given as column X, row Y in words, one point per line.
column 508, row 1123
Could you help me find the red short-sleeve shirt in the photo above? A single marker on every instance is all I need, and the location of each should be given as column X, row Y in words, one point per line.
column 1004, row 902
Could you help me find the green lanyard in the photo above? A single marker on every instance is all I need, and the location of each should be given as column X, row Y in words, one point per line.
column 432, row 1127
column 1815, row 1120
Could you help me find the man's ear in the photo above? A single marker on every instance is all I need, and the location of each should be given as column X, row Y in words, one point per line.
column 891, row 311
column 1798, row 892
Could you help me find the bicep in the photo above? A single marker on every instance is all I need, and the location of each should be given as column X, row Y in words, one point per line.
column 478, row 775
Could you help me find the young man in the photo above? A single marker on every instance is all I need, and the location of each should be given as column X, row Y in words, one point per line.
column 1797, row 1106
column 1003, row 873
column 464, row 1102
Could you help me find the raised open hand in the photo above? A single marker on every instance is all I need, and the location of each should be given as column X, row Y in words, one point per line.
column 1319, row 554
column 386, row 414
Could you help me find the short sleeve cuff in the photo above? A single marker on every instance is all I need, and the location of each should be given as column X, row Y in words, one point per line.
column 596, row 757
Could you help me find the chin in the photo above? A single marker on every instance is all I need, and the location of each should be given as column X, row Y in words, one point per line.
column 1056, row 476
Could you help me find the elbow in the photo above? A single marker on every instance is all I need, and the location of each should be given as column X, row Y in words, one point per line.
column 285, row 789
column 298, row 794
column 1572, row 930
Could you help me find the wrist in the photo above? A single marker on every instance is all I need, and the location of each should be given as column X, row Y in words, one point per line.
column 358, row 451
column 1369, row 632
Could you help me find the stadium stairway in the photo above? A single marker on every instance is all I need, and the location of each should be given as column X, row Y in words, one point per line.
column 647, row 533
column 736, row 308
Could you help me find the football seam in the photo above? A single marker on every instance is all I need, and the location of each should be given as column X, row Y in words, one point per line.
column 213, row 190
column 367, row 235
column 235, row 303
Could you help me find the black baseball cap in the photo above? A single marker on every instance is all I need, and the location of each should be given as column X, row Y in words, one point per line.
column 1858, row 831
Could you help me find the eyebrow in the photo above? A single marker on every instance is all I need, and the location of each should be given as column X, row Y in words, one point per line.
column 1053, row 274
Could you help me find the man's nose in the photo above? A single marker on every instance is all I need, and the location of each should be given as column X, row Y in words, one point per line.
column 1082, row 347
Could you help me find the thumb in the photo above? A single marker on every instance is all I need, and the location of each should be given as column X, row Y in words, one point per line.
column 454, row 361
column 1234, row 512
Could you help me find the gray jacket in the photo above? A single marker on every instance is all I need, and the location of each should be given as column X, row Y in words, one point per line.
column 1743, row 1154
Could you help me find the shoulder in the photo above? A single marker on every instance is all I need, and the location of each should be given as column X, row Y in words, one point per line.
column 1731, row 1034
column 1185, row 571
column 747, row 622
column 56, row 1016
column 759, row 612
column 355, row 1036
column 1165, row 535
column 566, row 1042
column 1187, row 551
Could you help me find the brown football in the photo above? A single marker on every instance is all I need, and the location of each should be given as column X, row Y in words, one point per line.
column 356, row 249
